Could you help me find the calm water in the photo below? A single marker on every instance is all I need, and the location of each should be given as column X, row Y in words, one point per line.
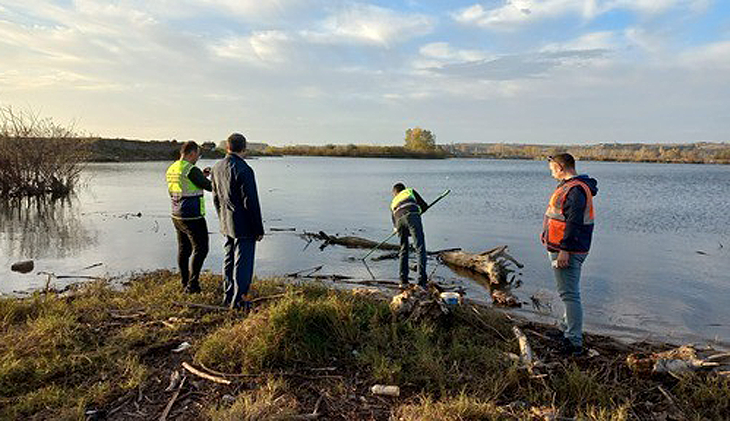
column 659, row 267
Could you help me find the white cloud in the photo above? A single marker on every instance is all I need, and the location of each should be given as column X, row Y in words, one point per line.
column 263, row 47
column 604, row 40
column 520, row 66
column 444, row 51
column 714, row 56
column 369, row 24
column 254, row 9
column 514, row 13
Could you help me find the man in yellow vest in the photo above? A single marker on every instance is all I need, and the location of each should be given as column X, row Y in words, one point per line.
column 406, row 208
column 567, row 234
column 185, row 183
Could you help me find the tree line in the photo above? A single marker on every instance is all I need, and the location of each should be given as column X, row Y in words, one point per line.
column 690, row 153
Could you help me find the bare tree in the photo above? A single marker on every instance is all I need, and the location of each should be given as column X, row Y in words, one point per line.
column 37, row 156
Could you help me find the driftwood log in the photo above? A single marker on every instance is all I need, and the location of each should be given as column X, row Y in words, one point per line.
column 680, row 360
column 493, row 267
column 347, row 241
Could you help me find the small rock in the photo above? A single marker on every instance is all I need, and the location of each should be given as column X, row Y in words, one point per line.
column 23, row 267
column 228, row 399
column 384, row 390
column 182, row 347
column 95, row 414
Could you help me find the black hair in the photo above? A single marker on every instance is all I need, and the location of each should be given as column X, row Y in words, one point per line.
column 189, row 147
column 236, row 142
column 565, row 160
column 399, row 187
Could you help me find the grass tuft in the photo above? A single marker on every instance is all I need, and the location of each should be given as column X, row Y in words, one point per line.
column 109, row 349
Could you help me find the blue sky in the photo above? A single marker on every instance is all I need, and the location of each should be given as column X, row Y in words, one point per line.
column 338, row 71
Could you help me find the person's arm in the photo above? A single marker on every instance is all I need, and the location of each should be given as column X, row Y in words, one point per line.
column 251, row 201
column 199, row 179
column 421, row 203
column 216, row 200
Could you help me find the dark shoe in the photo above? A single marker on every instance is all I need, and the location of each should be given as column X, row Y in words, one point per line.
column 567, row 349
column 243, row 305
column 403, row 284
column 556, row 335
column 193, row 289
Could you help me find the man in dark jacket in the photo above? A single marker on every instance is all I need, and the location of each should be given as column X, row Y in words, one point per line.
column 237, row 202
column 567, row 234
column 185, row 183
column 406, row 208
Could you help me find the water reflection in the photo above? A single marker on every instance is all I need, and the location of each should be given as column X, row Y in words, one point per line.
column 35, row 228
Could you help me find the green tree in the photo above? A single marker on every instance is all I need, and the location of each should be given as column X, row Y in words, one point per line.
column 420, row 139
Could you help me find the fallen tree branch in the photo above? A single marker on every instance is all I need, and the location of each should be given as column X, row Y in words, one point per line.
column 526, row 354
column 205, row 375
column 347, row 241
column 219, row 373
column 163, row 417
column 310, row 270
column 203, row 306
column 275, row 296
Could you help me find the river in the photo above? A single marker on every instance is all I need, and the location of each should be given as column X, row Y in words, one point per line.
column 659, row 268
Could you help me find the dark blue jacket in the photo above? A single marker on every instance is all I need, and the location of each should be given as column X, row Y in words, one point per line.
column 577, row 236
column 236, row 198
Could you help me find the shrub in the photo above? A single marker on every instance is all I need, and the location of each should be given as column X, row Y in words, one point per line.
column 37, row 156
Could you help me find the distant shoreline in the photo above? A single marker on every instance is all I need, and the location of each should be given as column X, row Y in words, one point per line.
column 123, row 150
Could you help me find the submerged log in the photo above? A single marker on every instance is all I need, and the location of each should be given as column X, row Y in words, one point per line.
column 493, row 267
column 347, row 241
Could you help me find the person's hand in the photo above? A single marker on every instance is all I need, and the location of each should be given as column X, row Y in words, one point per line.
column 206, row 171
column 259, row 237
column 563, row 259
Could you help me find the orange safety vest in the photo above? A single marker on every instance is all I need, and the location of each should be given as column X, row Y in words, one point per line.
column 554, row 222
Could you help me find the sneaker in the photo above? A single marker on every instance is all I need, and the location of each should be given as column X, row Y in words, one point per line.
column 567, row 349
column 193, row 289
column 245, row 306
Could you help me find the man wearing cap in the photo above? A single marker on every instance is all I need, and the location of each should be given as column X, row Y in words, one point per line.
column 406, row 209
column 567, row 234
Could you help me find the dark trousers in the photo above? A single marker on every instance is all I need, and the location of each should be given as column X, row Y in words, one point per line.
column 192, row 239
column 410, row 225
column 237, row 269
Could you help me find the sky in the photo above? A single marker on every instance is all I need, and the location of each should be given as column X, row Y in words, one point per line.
column 338, row 71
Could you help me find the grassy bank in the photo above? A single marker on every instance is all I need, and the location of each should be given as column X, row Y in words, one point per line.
column 107, row 354
column 359, row 151
column 688, row 153
column 125, row 150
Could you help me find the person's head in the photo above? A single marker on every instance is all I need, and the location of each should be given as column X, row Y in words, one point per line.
column 397, row 188
column 236, row 143
column 562, row 166
column 190, row 151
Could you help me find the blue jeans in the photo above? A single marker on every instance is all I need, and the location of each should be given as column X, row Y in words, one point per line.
column 410, row 225
column 237, row 269
column 567, row 281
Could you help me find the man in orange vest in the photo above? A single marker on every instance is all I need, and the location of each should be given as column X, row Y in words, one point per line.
column 567, row 233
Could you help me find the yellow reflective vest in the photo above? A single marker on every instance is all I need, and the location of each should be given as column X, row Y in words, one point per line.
column 187, row 198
